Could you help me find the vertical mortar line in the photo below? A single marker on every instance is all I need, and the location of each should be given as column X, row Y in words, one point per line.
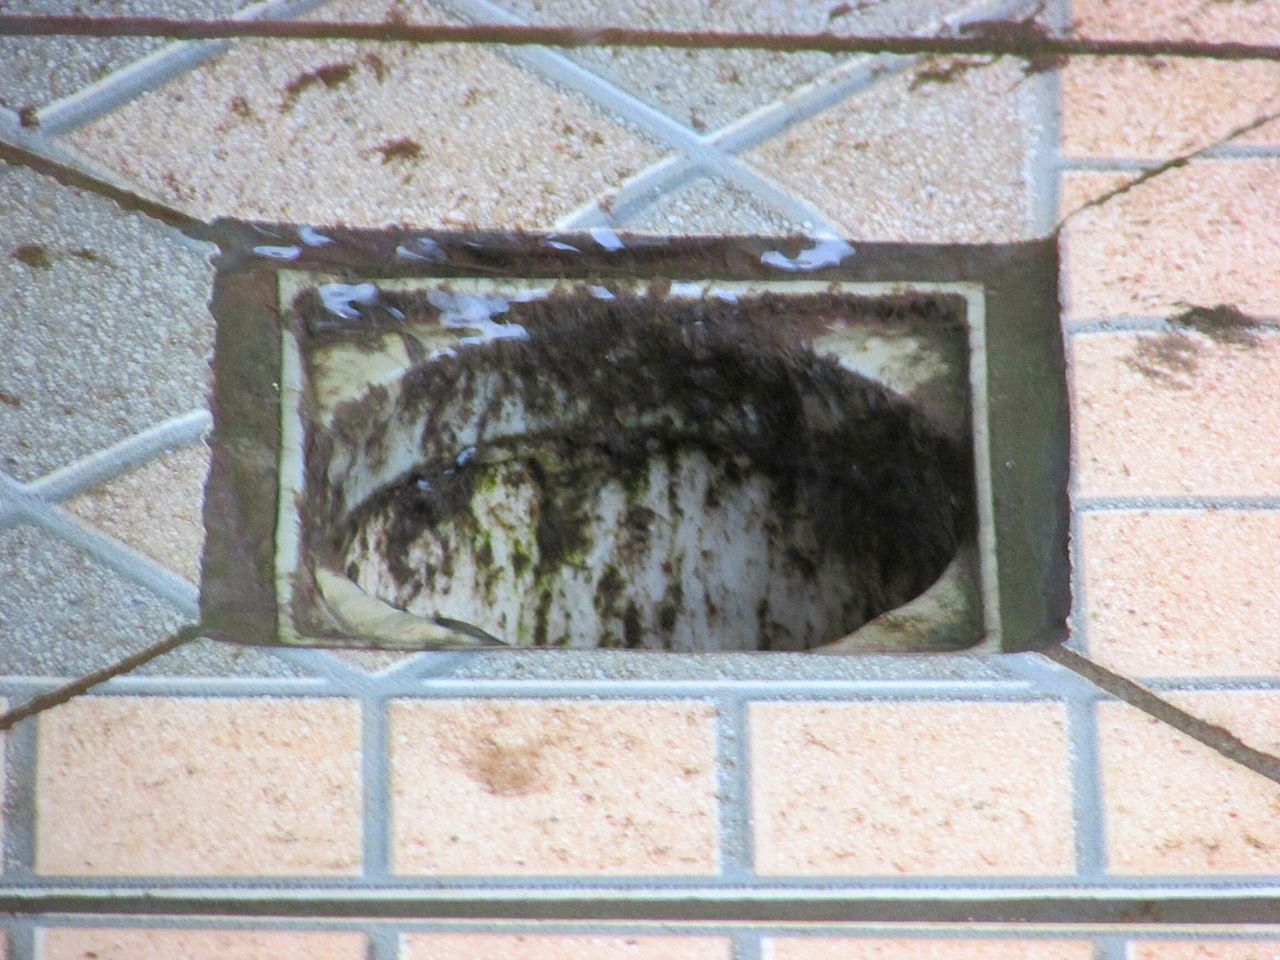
column 747, row 945
column 733, row 787
column 20, row 801
column 1086, row 787
column 384, row 943
column 375, row 764
column 1111, row 947
column 1046, row 165
column 22, row 939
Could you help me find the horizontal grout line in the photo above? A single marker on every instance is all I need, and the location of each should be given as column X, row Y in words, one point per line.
column 999, row 38
column 1159, row 502
column 1213, row 684
column 162, row 686
column 1223, row 903
column 1135, row 164
column 1264, row 325
column 1236, row 933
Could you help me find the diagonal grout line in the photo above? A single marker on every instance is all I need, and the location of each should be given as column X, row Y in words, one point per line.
column 115, row 556
column 151, row 71
column 23, row 149
column 565, row 71
column 83, row 684
column 755, row 127
column 113, row 461
column 1211, row 735
column 1181, row 160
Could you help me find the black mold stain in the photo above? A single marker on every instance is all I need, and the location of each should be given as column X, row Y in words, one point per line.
column 884, row 489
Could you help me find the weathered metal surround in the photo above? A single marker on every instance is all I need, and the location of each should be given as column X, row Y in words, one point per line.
column 1017, row 374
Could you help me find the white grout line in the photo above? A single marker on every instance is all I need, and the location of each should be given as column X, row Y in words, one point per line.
column 567, row 72
column 121, row 458
column 153, row 70
column 112, row 554
column 1167, row 503
column 761, row 124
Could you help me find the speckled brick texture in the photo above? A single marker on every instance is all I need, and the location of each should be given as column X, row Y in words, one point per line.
column 88, row 943
column 1162, row 108
column 199, row 787
column 1205, row 950
column 319, row 133
column 553, row 788
column 1184, row 593
column 922, row 789
column 1200, row 235
column 461, row 946
column 1175, row 807
column 221, row 767
column 1176, row 413
column 921, row 948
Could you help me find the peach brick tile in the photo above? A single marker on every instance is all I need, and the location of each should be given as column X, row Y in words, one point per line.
column 914, row 159
column 1183, row 593
column 932, row 789
column 1205, row 950
column 1174, row 806
column 464, row 946
column 1175, row 414
column 1121, row 107
column 156, row 509
column 553, row 788
column 136, row 786
column 1203, row 234
column 367, row 134
column 850, row 948
column 1217, row 20
column 116, row 944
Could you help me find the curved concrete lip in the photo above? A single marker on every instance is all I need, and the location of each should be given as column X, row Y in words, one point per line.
column 318, row 369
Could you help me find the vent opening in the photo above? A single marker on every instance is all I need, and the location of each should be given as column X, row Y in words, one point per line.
column 637, row 472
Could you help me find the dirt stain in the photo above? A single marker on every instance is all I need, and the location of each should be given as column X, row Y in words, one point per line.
column 34, row 255
column 507, row 769
column 329, row 76
column 1172, row 359
column 399, row 149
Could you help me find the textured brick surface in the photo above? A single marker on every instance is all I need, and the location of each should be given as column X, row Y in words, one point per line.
column 1121, row 107
column 1202, row 234
column 320, row 133
column 463, row 946
column 553, row 788
column 1178, row 20
column 155, row 509
column 1184, row 592
column 115, row 944
column 1174, row 806
column 1176, row 414
column 913, row 788
column 107, row 332
column 1205, row 950
column 945, row 161
column 841, row 948
column 138, row 786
